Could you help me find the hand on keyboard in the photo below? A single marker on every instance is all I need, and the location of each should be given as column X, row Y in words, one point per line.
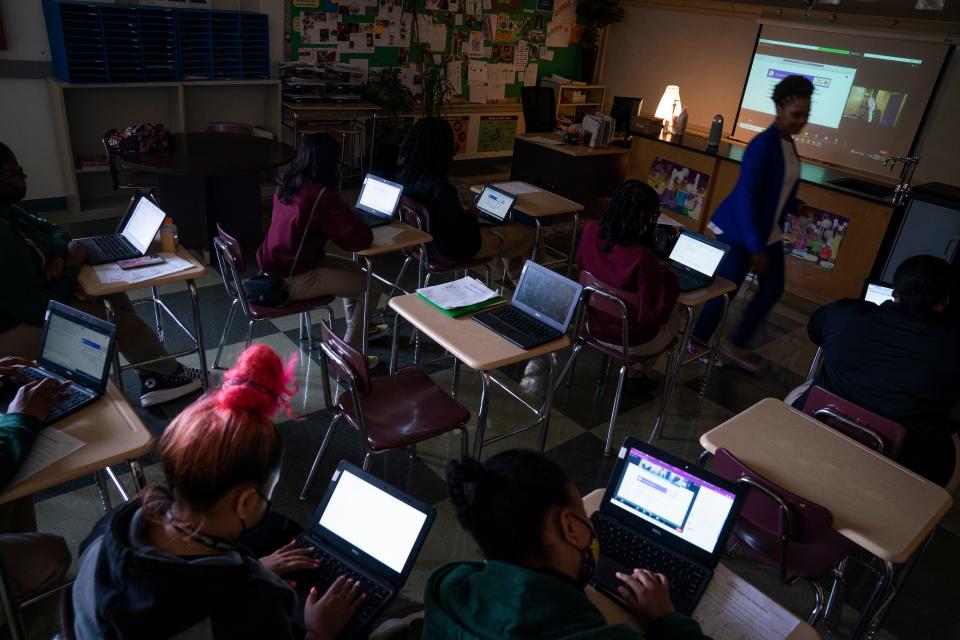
column 325, row 616
column 647, row 594
column 39, row 398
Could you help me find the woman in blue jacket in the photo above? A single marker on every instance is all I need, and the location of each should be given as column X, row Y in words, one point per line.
column 750, row 219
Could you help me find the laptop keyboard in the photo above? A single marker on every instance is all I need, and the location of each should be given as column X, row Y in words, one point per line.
column 111, row 246
column 330, row 569
column 522, row 322
column 690, row 281
column 370, row 219
column 685, row 578
column 74, row 396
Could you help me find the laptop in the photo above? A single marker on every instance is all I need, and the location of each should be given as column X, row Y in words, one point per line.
column 378, row 201
column 75, row 347
column 494, row 205
column 696, row 259
column 367, row 530
column 134, row 238
column 663, row 514
column 540, row 311
column 876, row 291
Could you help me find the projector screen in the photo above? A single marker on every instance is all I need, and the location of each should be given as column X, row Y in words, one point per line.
column 869, row 95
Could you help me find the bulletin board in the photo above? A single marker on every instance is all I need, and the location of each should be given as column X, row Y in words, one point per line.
column 492, row 48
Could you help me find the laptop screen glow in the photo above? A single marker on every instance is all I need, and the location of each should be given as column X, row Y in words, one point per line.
column 143, row 224
column 878, row 293
column 373, row 521
column 379, row 196
column 75, row 347
column 696, row 255
column 495, row 203
column 682, row 504
column 548, row 296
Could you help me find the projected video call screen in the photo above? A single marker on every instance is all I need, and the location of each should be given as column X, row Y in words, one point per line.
column 869, row 94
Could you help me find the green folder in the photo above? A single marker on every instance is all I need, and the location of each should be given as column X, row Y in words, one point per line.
column 456, row 312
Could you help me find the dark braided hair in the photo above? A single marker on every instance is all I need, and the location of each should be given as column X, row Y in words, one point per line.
column 631, row 217
column 428, row 151
column 317, row 161
column 503, row 502
column 791, row 87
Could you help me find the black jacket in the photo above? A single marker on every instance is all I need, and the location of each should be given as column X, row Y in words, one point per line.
column 456, row 234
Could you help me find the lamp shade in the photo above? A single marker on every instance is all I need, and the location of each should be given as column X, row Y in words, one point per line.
column 665, row 108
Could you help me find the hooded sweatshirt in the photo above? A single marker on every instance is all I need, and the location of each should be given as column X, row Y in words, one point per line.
column 126, row 588
column 487, row 600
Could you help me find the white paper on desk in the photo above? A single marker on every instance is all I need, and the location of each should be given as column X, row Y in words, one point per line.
column 734, row 609
column 49, row 446
column 516, row 188
column 459, row 293
column 668, row 221
column 111, row 273
column 384, row 234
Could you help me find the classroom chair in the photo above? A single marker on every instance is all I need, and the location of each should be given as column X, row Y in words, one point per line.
column 123, row 178
column 11, row 609
column 869, row 429
column 231, row 262
column 622, row 304
column 398, row 410
column 785, row 531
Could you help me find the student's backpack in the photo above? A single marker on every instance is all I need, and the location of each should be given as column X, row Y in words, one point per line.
column 141, row 138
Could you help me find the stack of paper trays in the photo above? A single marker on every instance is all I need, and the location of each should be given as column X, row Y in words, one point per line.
column 460, row 297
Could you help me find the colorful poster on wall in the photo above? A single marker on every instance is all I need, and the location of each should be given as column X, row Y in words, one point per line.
column 496, row 133
column 682, row 190
column 461, row 127
column 814, row 236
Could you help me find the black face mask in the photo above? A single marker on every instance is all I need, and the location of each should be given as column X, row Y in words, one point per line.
column 589, row 555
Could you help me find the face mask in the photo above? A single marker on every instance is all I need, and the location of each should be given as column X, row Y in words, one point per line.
column 589, row 555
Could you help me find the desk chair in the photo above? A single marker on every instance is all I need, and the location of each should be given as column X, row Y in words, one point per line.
column 230, row 260
column 786, row 531
column 869, row 429
column 122, row 178
column 539, row 109
column 398, row 410
column 11, row 609
column 625, row 305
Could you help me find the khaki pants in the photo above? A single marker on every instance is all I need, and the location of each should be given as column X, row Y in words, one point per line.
column 135, row 338
column 336, row 276
column 510, row 242
column 34, row 562
column 657, row 345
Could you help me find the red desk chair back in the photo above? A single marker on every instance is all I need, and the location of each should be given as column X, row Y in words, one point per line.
column 869, row 429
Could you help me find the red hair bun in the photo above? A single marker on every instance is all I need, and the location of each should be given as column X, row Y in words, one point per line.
column 258, row 382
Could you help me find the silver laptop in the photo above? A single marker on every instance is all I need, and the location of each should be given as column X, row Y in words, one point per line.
column 494, row 205
column 134, row 238
column 877, row 292
column 78, row 348
column 696, row 259
column 378, row 200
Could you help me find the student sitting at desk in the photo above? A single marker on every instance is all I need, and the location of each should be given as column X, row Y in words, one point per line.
column 40, row 263
column 540, row 549
column 900, row 360
column 173, row 562
column 427, row 155
column 618, row 250
column 307, row 211
column 34, row 562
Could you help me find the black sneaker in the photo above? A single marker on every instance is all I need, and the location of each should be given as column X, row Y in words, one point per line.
column 157, row 389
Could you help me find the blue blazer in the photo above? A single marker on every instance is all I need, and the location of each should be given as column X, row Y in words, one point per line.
column 748, row 214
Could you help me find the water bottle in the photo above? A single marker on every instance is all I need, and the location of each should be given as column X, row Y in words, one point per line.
column 716, row 131
column 168, row 236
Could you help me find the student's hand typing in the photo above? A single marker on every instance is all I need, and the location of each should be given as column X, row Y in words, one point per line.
column 289, row 559
column 646, row 594
column 38, row 399
column 326, row 616
column 10, row 366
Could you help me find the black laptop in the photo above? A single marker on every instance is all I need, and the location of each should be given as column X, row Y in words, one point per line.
column 540, row 311
column 494, row 205
column 134, row 239
column 369, row 531
column 666, row 515
column 378, row 200
column 75, row 347
column 696, row 259
column 877, row 291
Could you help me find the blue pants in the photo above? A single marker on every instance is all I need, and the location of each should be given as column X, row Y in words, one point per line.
column 735, row 268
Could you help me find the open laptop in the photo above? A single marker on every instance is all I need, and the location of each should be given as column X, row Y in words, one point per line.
column 876, row 291
column 667, row 515
column 369, row 531
column 75, row 347
column 377, row 202
column 134, row 238
column 696, row 259
column 540, row 311
column 494, row 205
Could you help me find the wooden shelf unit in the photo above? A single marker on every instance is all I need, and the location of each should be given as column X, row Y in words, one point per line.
column 593, row 97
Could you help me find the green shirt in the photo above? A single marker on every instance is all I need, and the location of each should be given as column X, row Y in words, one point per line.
column 17, row 431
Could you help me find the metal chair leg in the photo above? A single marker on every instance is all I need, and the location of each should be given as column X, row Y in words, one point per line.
column 366, row 461
column 328, row 436
column 834, row 606
column 608, row 448
column 249, row 334
column 9, row 607
column 226, row 328
column 814, row 616
column 464, row 442
column 568, row 366
column 601, row 387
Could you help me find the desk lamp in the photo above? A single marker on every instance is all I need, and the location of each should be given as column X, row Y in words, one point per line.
column 669, row 106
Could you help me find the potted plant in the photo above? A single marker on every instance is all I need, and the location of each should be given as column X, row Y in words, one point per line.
column 595, row 15
column 385, row 87
column 437, row 88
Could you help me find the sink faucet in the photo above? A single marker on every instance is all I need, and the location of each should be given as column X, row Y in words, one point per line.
column 902, row 192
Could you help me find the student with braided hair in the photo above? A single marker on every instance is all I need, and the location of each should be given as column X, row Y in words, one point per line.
column 173, row 563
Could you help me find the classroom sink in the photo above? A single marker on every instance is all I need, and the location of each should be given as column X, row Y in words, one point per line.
column 862, row 186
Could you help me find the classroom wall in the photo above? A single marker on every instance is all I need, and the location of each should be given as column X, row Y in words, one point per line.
column 708, row 56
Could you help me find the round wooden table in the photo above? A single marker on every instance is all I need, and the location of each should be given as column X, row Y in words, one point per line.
column 211, row 178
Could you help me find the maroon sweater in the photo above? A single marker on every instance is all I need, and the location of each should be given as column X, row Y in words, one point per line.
column 631, row 268
column 333, row 220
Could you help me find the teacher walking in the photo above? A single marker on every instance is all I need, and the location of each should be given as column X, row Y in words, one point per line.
column 750, row 219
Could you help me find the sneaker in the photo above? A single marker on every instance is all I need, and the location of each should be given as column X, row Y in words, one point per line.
column 377, row 331
column 157, row 389
column 739, row 357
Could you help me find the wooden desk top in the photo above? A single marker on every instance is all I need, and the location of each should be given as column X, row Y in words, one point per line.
column 212, row 154
column 540, row 203
column 696, row 297
column 875, row 502
column 473, row 344
column 91, row 285
column 113, row 433
column 575, row 150
column 394, row 237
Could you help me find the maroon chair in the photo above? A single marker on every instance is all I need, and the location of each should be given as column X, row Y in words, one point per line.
column 390, row 412
column 625, row 305
column 230, row 260
column 869, row 429
column 784, row 530
column 230, row 127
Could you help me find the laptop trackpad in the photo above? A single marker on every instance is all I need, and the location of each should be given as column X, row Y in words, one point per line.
column 605, row 575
